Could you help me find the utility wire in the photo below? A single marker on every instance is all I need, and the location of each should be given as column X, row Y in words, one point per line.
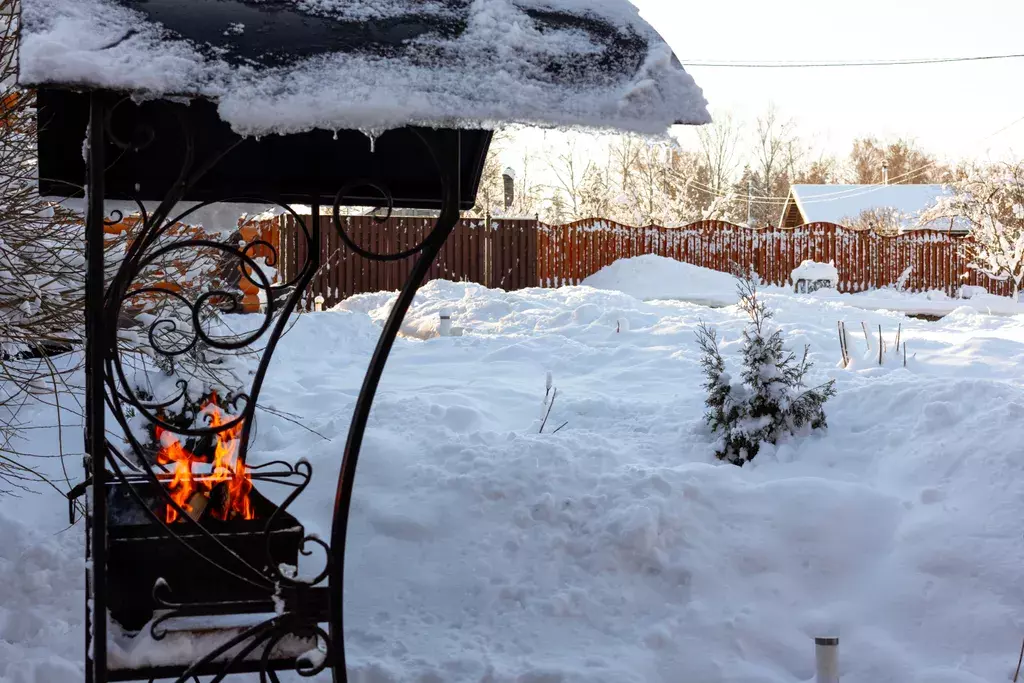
column 766, row 200
column 840, row 64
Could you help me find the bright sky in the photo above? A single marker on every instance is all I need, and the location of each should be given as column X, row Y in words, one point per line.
column 948, row 108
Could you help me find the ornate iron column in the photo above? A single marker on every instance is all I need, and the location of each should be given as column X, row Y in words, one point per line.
column 147, row 545
column 448, row 172
column 95, row 433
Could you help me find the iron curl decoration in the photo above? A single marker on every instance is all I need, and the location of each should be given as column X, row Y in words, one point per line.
column 351, row 244
column 180, row 328
column 426, row 251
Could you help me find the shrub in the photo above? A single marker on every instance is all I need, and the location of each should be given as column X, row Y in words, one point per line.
column 771, row 399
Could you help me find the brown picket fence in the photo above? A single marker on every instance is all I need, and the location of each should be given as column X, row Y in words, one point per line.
column 514, row 254
column 510, row 247
column 568, row 254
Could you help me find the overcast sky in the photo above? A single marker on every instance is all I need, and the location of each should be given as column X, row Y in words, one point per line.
column 949, row 108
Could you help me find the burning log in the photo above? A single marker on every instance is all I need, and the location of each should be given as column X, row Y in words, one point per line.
column 227, row 483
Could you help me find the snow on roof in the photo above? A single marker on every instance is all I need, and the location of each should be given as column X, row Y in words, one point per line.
column 841, row 204
column 285, row 66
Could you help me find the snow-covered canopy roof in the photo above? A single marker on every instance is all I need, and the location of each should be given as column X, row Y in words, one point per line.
column 842, row 203
column 287, row 66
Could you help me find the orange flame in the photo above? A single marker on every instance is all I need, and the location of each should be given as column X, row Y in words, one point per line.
column 228, row 469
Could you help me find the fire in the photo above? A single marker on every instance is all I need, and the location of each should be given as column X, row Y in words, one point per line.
column 228, row 471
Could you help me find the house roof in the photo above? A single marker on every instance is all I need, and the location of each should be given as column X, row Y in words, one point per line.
column 841, row 204
column 285, row 66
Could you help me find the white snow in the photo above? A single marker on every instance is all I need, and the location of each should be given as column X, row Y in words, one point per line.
column 653, row 277
column 656, row 277
column 617, row 550
column 841, row 203
column 494, row 71
column 813, row 271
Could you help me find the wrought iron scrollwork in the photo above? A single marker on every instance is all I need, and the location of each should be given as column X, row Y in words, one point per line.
column 177, row 332
column 294, row 606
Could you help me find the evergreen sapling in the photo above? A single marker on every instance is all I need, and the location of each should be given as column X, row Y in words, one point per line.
column 772, row 398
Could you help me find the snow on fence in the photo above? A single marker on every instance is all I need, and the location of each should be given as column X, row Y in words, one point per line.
column 514, row 254
column 567, row 254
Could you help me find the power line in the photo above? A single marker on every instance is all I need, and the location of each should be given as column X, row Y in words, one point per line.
column 842, row 64
column 850, row 192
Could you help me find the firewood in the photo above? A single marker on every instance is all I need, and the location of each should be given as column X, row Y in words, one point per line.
column 197, row 505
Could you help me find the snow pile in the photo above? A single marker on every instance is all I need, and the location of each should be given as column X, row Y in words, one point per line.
column 618, row 550
column 657, row 277
column 812, row 271
column 653, row 277
column 376, row 65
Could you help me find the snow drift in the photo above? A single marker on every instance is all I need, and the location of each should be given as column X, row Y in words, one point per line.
column 618, row 550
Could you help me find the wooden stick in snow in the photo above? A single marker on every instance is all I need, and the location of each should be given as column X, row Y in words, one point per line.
column 904, row 354
column 899, row 330
column 554, row 393
column 866, row 338
column 880, row 342
column 842, row 342
column 1019, row 660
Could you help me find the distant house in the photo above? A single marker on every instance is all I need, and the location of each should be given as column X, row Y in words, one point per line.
column 893, row 207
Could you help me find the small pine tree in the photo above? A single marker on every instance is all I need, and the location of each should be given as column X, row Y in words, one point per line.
column 772, row 399
column 716, row 379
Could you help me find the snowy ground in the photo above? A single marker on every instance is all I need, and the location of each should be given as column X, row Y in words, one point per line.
column 618, row 550
column 654, row 277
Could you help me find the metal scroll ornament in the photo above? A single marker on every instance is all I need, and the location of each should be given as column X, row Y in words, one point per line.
column 186, row 437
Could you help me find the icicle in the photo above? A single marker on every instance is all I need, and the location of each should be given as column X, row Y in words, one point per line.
column 335, row 134
column 372, row 134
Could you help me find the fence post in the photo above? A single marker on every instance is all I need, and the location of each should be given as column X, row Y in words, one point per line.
column 488, row 244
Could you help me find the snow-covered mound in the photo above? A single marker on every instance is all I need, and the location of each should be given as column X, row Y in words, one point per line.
column 618, row 550
column 813, row 271
column 656, row 277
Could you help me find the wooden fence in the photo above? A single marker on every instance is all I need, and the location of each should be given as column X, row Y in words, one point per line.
column 567, row 254
column 514, row 254
column 497, row 253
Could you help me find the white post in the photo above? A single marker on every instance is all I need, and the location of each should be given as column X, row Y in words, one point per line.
column 318, row 303
column 444, row 329
column 826, row 655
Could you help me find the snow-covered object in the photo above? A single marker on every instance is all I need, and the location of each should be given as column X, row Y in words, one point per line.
column 656, row 277
column 972, row 291
column 294, row 65
column 814, row 272
column 841, row 204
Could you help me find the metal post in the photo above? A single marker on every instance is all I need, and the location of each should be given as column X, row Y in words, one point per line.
column 450, row 183
column 95, row 439
column 826, row 656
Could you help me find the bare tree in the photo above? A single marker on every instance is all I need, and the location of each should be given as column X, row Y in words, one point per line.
column 490, row 197
column 884, row 220
column 776, row 151
column 719, row 143
column 990, row 199
column 907, row 163
column 570, row 169
column 822, row 171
